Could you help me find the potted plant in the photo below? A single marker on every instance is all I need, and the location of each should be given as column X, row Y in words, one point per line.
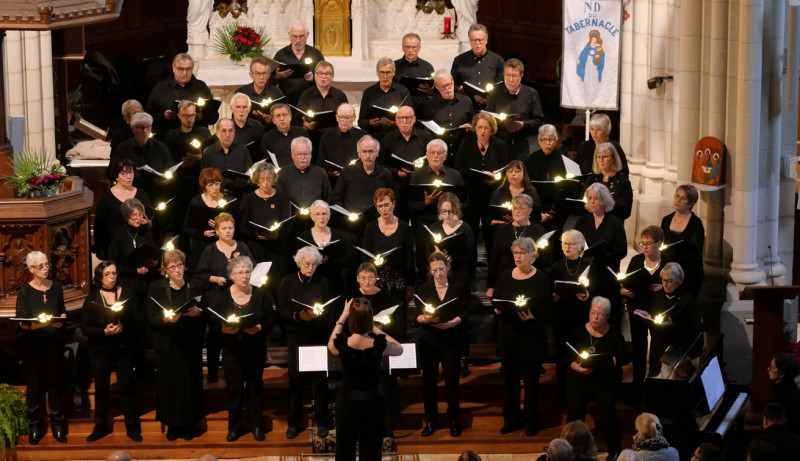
column 240, row 42
column 13, row 421
column 35, row 175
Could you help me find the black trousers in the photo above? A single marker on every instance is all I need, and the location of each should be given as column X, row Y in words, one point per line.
column 430, row 356
column 391, row 405
column 244, row 371
column 359, row 421
column 104, row 358
column 42, row 364
column 604, row 399
column 516, row 368
column 638, row 349
column 297, row 383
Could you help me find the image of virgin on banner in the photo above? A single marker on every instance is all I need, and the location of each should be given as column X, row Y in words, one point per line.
column 591, row 54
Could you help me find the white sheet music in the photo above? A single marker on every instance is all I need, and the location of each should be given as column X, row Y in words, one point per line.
column 312, row 358
column 408, row 359
column 713, row 385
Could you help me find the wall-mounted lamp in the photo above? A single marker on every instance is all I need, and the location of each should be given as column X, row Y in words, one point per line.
column 656, row 82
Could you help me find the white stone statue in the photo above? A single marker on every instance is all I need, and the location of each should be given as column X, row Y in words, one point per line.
column 197, row 16
column 467, row 16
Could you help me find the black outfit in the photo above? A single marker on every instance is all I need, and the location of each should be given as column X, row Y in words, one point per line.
column 42, row 354
column 243, row 358
column 477, row 70
column 481, row 187
column 543, row 169
column 249, row 136
column 602, row 282
column 154, row 153
column 602, row 385
column 166, row 92
column 270, row 92
column 339, row 147
column 213, row 262
column 360, row 403
column 524, row 344
column 585, row 156
column 502, row 259
column 236, row 158
column 355, row 187
column 569, row 314
column 408, row 149
column 459, row 249
column 620, row 188
column 688, row 253
column 449, row 114
column 375, row 96
column 296, row 287
column 786, row 392
column 680, row 334
column 108, row 219
column 435, row 346
column 502, row 195
column 197, row 241
column 779, row 436
column 279, row 144
column 184, row 184
column 312, row 99
column 179, row 358
column 418, row 68
column 293, row 87
column 304, row 187
column 339, row 262
column 107, row 353
column 123, row 244
column 523, row 106
column 266, row 212
column 397, row 272
column 639, row 284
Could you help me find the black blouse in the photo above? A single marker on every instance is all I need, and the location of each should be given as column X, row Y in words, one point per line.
column 259, row 305
column 612, row 231
column 611, row 343
column 504, row 236
column 295, row 289
column 398, row 270
column 262, row 211
column 458, row 248
column 689, row 252
column 531, row 334
column 569, row 312
column 187, row 333
column 213, row 262
column 640, row 282
column 124, row 243
column 360, row 368
column 108, row 219
column 94, row 326
column 448, row 338
column 32, row 302
column 620, row 188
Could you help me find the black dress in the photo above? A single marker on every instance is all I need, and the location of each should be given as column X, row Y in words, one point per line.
column 266, row 212
column 680, row 333
column 179, row 356
column 503, row 194
column 585, row 156
column 124, row 242
column 359, row 405
column 107, row 353
column 620, row 188
column 197, row 241
column 297, row 288
column 42, row 352
column 397, row 272
column 524, row 343
column 458, row 248
column 339, row 258
column 639, row 284
column 435, row 346
column 602, row 385
column 243, row 358
column 688, row 253
column 108, row 219
column 502, row 259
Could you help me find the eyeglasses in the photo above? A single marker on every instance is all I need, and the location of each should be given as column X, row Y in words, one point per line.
column 668, row 281
column 547, row 140
column 175, row 267
column 381, row 206
column 324, row 74
column 512, row 76
column 346, row 118
column 259, row 74
column 126, row 173
column 569, row 244
column 477, row 40
column 678, row 198
column 367, row 278
column 42, row 266
column 309, row 264
column 446, row 212
column 183, row 69
column 385, row 73
column 109, row 274
column 241, row 273
column 405, row 118
column 303, row 154
column 446, row 86
column 603, row 157
column 410, row 47
column 647, row 244
column 143, row 127
column 519, row 253
column 215, row 183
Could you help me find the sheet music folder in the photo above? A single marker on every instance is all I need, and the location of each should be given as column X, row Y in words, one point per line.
column 319, row 358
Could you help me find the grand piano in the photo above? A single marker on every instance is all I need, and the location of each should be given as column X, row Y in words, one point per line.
column 693, row 398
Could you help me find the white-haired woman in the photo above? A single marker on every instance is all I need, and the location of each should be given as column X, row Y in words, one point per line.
column 336, row 246
column 607, row 169
column 41, row 346
column 305, row 327
column 599, row 226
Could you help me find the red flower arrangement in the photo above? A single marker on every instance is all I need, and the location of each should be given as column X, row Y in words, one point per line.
column 239, row 42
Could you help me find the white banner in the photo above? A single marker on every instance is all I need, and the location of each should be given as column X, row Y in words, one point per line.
column 590, row 71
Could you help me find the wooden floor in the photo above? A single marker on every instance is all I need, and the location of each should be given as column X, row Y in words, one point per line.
column 481, row 419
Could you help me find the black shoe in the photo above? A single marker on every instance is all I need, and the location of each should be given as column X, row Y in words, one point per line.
column 292, row 432
column 97, row 433
column 454, row 430
column 232, row 437
column 464, row 372
column 509, row 428
column 322, row 431
column 35, row 436
column 135, row 435
column 186, row 434
column 172, row 435
column 60, row 434
column 258, row 434
column 532, row 429
column 428, row 430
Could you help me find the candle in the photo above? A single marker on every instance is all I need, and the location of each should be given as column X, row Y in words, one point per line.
column 447, row 20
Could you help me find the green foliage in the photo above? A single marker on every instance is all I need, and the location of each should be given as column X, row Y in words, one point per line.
column 239, row 42
column 75, row 102
column 13, row 422
column 34, row 172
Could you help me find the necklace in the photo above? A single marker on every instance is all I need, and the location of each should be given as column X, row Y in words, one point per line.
column 670, row 296
column 483, row 147
column 105, row 303
column 577, row 268
column 592, row 349
column 300, row 277
column 446, row 284
column 651, row 269
column 44, row 297
column 521, row 233
column 133, row 237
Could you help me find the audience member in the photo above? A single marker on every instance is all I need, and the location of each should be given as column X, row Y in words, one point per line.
column 649, row 441
column 707, row 452
column 580, row 438
column 782, row 371
column 558, row 450
column 777, row 434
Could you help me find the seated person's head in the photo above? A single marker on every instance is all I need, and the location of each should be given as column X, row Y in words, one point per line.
column 559, row 450
column 762, row 451
column 774, row 413
column 707, row 452
column 469, row 455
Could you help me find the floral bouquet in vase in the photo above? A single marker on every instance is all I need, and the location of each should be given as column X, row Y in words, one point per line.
column 36, row 175
column 240, row 42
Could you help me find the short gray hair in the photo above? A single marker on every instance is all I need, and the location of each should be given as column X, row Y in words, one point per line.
column 603, row 193
column 181, row 57
column 548, row 129
column 308, row 252
column 367, row 137
column 240, row 95
column 34, row 256
column 384, row 61
column 237, row 262
column 298, row 140
column 601, row 121
column 128, row 108
column 525, row 244
column 129, row 206
column 575, row 235
column 479, row 27
column 436, row 142
column 295, row 24
column 602, row 303
column 412, row 35
column 674, row 270
column 559, row 450
column 262, row 168
column 523, row 199
column 141, row 117
column 319, row 204
column 441, row 73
